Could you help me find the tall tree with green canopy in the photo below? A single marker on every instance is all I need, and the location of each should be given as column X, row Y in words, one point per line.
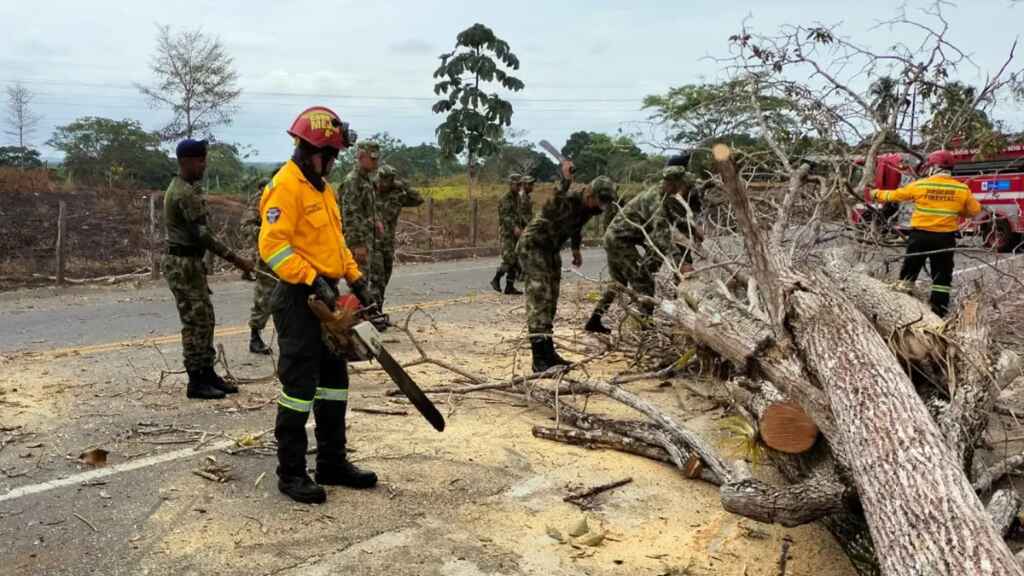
column 475, row 119
column 102, row 150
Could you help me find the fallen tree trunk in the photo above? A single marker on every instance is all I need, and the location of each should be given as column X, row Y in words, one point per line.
column 923, row 513
column 924, row 516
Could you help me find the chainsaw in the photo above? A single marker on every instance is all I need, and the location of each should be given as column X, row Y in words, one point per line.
column 349, row 331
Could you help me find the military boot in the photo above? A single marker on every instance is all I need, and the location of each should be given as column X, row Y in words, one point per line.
column 200, row 387
column 219, row 383
column 510, row 284
column 553, row 356
column 496, row 281
column 256, row 343
column 539, row 349
column 595, row 325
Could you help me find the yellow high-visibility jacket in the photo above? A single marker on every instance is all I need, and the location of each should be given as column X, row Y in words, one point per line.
column 300, row 231
column 939, row 202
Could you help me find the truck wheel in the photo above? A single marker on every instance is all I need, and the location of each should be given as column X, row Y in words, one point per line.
column 999, row 236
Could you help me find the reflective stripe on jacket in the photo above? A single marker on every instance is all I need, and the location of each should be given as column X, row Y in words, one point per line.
column 939, row 202
column 300, row 231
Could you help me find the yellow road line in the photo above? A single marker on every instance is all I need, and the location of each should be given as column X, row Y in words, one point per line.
column 222, row 332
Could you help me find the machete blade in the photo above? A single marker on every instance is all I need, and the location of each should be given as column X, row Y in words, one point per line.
column 410, row 389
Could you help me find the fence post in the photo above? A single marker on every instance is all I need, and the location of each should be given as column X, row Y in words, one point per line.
column 430, row 223
column 61, row 240
column 474, row 225
column 154, row 244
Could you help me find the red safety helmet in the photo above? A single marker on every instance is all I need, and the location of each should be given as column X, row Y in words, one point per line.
column 320, row 127
column 939, row 159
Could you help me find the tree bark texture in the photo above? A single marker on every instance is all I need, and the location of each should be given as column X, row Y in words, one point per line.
column 924, row 515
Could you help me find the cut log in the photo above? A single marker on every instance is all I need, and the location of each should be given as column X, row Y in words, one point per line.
column 787, row 428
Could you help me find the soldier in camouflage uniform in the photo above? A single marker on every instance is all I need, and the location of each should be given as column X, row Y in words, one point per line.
column 511, row 222
column 560, row 220
column 188, row 239
column 393, row 194
column 265, row 280
column 360, row 211
column 646, row 222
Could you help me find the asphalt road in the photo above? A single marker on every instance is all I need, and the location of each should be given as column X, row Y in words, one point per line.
column 44, row 319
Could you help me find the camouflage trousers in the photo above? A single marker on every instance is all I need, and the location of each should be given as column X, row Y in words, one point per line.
column 382, row 263
column 186, row 277
column 261, row 292
column 627, row 268
column 509, row 256
column 542, row 268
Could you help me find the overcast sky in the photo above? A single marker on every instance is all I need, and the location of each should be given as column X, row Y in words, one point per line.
column 586, row 64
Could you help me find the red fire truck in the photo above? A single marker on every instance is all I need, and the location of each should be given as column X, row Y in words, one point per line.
column 997, row 183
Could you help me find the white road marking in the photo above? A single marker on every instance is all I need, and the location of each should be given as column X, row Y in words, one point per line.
column 96, row 474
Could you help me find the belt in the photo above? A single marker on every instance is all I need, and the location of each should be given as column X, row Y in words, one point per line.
column 186, row 251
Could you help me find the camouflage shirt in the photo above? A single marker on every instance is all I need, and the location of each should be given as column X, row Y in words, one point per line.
column 390, row 204
column 186, row 218
column 359, row 210
column 648, row 215
column 514, row 211
column 561, row 219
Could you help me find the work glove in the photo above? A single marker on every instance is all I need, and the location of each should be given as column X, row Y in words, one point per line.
column 326, row 292
column 362, row 291
column 869, row 196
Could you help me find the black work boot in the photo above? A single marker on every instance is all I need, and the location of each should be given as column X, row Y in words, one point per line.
column 332, row 466
column 256, row 343
column 345, row 473
column 539, row 348
column 496, row 281
column 595, row 325
column 301, row 489
column 510, row 285
column 219, row 383
column 200, row 387
column 553, row 356
column 292, row 479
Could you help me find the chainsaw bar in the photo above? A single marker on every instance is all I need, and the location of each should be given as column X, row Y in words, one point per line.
column 410, row 389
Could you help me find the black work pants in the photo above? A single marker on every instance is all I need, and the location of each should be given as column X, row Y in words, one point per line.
column 312, row 379
column 941, row 264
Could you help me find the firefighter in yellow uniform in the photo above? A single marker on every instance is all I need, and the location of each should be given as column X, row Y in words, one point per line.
column 939, row 202
column 301, row 240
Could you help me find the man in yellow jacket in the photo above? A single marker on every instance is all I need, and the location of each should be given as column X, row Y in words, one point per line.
column 940, row 201
column 302, row 242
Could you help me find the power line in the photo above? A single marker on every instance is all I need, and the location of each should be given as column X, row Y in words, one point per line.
column 47, row 82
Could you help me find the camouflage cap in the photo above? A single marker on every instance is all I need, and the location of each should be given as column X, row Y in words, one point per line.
column 604, row 189
column 387, row 171
column 673, row 173
column 528, row 179
column 515, row 178
column 372, row 148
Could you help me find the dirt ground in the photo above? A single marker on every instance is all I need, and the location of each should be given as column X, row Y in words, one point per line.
column 482, row 498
